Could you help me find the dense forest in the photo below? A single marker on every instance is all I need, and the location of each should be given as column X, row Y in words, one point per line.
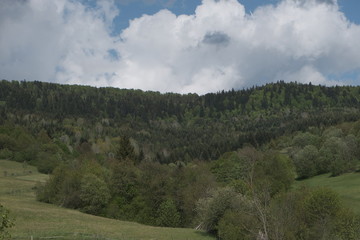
column 172, row 127
column 222, row 162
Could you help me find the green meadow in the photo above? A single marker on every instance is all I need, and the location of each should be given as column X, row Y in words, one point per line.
column 36, row 220
column 346, row 185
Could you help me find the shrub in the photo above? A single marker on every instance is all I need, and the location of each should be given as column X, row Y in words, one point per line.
column 5, row 223
column 168, row 215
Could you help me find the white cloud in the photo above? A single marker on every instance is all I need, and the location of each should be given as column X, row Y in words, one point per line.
column 61, row 41
column 218, row 47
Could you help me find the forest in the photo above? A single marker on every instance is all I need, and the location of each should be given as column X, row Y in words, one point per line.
column 222, row 162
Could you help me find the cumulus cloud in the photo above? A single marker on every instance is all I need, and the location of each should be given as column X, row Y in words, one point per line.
column 218, row 47
column 59, row 41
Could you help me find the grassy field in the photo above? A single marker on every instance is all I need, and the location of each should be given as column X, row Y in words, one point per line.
column 46, row 221
column 347, row 185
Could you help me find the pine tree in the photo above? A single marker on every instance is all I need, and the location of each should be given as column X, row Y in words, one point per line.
column 125, row 150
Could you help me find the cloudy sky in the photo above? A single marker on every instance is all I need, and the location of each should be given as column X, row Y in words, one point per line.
column 180, row 45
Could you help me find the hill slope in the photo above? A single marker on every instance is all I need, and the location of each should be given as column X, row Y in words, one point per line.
column 40, row 220
column 173, row 127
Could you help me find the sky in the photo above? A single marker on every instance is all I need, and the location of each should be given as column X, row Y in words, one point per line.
column 183, row 46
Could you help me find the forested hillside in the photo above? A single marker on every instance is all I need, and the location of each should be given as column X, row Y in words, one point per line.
column 172, row 127
column 222, row 162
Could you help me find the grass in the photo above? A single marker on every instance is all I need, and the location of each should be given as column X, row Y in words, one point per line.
column 45, row 221
column 346, row 185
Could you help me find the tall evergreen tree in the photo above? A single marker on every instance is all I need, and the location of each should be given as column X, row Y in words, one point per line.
column 125, row 150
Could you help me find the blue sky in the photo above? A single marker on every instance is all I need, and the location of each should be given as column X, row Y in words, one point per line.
column 134, row 9
column 180, row 45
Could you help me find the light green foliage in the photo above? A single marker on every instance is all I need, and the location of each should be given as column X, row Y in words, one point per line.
column 228, row 168
column 336, row 155
column 332, row 132
column 336, row 151
column 312, row 214
column 168, row 215
column 347, row 225
column 249, row 169
column 321, row 204
column 322, row 209
column 212, row 208
column 353, row 145
column 94, row 194
column 303, row 139
column 286, row 216
column 5, row 223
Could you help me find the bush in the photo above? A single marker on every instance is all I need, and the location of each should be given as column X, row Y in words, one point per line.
column 5, row 223
column 321, row 204
column 347, row 225
column 168, row 215
column 212, row 208
column 305, row 161
column 94, row 194
column 6, row 153
column 235, row 226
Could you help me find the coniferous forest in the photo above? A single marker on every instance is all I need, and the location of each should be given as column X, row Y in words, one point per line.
column 223, row 162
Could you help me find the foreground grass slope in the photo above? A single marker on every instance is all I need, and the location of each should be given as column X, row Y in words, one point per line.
column 41, row 220
column 347, row 185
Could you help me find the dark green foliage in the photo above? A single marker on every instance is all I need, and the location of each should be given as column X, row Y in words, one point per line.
column 234, row 226
column 57, row 188
column 5, row 223
column 148, row 193
column 305, row 161
column 5, row 153
column 172, row 127
column 168, row 215
column 124, row 180
column 71, row 186
column 125, row 150
column 229, row 167
column 7, row 142
column 275, row 172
